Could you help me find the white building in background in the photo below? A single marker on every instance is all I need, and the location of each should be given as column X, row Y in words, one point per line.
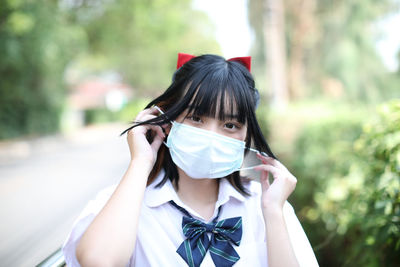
column 96, row 92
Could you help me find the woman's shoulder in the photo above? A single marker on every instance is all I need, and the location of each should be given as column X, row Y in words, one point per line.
column 94, row 205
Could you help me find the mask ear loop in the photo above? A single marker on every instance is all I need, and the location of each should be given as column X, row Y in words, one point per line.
column 256, row 151
column 159, row 110
column 162, row 113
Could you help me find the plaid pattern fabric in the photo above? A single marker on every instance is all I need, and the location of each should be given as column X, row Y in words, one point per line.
column 224, row 233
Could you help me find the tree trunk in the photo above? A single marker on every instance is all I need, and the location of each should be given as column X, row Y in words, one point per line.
column 275, row 51
column 303, row 30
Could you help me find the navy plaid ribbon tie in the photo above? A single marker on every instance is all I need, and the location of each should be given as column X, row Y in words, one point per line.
column 223, row 234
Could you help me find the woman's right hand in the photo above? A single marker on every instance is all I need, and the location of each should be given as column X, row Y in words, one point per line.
column 139, row 147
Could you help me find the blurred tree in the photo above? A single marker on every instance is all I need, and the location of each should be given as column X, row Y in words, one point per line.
column 275, row 50
column 35, row 46
column 346, row 47
column 330, row 47
column 303, row 26
column 256, row 13
column 140, row 39
column 42, row 39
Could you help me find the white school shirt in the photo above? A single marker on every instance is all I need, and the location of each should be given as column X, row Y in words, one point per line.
column 160, row 227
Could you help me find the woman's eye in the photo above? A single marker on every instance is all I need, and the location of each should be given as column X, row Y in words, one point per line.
column 195, row 118
column 231, row 126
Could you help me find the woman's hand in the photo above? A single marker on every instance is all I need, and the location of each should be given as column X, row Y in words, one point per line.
column 276, row 193
column 139, row 147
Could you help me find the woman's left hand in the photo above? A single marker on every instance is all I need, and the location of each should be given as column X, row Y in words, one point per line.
column 275, row 193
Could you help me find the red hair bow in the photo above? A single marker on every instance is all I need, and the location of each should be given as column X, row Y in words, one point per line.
column 183, row 58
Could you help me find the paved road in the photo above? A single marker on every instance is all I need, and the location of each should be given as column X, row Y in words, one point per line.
column 46, row 182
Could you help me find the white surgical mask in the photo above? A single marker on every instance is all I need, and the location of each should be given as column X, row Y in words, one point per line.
column 204, row 154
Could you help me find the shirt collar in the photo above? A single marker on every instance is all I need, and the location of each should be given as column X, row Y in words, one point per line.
column 226, row 192
column 156, row 196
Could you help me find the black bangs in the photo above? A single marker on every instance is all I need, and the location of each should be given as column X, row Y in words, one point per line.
column 223, row 93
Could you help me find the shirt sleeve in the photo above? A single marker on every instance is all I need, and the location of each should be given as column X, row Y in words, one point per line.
column 81, row 224
column 301, row 246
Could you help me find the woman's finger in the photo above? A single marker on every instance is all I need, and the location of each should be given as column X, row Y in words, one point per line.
column 140, row 115
column 148, row 111
column 159, row 131
column 264, row 179
column 268, row 168
column 157, row 141
column 272, row 161
column 276, row 172
column 266, row 159
column 144, row 117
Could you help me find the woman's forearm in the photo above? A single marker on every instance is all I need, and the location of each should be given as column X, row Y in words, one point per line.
column 110, row 239
column 279, row 248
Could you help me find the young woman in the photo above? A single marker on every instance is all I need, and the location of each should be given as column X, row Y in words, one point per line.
column 182, row 200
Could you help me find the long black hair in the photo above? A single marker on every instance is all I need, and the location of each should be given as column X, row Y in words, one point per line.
column 211, row 86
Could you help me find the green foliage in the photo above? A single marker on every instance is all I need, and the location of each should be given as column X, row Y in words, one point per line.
column 132, row 109
column 379, row 221
column 140, row 39
column 324, row 145
column 331, row 41
column 42, row 40
column 348, row 190
column 35, row 48
column 262, row 118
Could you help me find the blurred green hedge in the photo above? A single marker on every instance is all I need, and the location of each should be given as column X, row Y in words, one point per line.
column 348, row 169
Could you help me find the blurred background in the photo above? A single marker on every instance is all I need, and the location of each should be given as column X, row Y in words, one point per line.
column 74, row 73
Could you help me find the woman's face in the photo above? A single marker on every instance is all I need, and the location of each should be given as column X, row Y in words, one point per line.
column 230, row 127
